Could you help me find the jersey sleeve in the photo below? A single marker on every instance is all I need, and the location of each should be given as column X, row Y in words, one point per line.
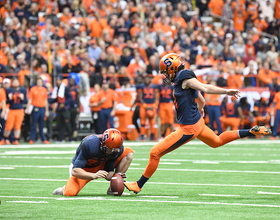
column 80, row 161
column 186, row 74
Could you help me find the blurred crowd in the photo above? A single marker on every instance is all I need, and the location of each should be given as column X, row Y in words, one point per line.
column 234, row 43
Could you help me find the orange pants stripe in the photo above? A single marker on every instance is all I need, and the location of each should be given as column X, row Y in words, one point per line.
column 182, row 135
column 74, row 185
column 14, row 119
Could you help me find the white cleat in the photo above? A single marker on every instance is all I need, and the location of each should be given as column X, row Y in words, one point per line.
column 58, row 191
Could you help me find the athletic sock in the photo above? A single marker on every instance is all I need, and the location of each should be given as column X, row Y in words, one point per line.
column 142, row 181
column 6, row 138
column 245, row 133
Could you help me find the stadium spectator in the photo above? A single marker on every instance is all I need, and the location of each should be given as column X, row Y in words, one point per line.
column 94, row 104
column 62, row 97
column 38, row 98
column 108, row 103
column 49, row 121
column 266, row 75
column 74, row 107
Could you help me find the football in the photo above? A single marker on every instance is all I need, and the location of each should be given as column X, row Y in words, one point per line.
column 116, row 185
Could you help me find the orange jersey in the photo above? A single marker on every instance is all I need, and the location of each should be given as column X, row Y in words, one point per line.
column 266, row 78
column 277, row 9
column 110, row 96
column 212, row 99
column 234, row 81
column 216, row 6
column 277, row 101
column 2, row 96
column 38, row 96
column 95, row 98
column 21, row 75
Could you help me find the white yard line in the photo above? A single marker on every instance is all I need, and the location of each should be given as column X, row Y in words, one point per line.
column 222, row 195
column 168, row 197
column 7, row 168
column 153, row 183
column 28, row 201
column 37, row 152
column 141, row 200
column 215, row 171
column 127, row 143
column 159, row 169
column 268, row 193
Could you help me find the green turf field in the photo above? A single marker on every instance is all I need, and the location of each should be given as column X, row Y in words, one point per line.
column 236, row 181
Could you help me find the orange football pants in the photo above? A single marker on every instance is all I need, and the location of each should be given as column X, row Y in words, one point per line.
column 166, row 113
column 182, row 135
column 14, row 119
column 74, row 185
column 233, row 123
column 143, row 115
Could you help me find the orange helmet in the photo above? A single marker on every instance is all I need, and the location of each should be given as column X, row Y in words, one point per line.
column 111, row 142
column 170, row 65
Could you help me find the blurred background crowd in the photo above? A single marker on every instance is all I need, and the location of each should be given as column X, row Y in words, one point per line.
column 95, row 48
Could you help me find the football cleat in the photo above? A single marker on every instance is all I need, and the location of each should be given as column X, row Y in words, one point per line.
column 260, row 130
column 15, row 142
column 58, row 191
column 132, row 187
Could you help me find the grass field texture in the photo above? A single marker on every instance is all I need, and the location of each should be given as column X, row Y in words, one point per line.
column 236, row 181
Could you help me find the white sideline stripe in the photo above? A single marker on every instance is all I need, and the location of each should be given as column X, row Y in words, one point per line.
column 169, row 197
column 152, row 201
column 169, row 163
column 215, row 171
column 28, row 201
column 268, row 193
column 7, row 168
column 218, row 195
column 36, row 157
column 154, row 183
column 30, row 152
column 147, row 153
column 127, row 143
column 27, row 197
column 160, row 169
column 179, row 202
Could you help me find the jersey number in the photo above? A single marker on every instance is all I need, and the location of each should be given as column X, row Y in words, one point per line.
column 148, row 93
column 165, row 93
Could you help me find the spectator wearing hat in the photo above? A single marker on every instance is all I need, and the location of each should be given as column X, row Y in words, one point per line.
column 62, row 97
column 94, row 50
column 38, row 98
column 108, row 103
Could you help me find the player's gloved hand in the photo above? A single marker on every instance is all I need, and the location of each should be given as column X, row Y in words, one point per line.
column 100, row 174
